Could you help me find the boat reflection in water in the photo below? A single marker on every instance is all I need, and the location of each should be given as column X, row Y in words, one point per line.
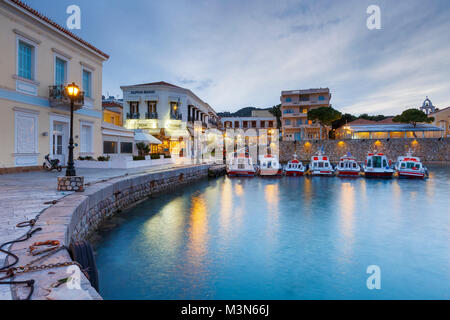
column 283, row 238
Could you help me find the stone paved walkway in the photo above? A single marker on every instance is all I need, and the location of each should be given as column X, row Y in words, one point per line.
column 22, row 197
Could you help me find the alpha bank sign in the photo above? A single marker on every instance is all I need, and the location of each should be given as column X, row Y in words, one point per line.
column 142, row 92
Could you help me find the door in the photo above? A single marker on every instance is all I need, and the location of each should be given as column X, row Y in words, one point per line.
column 59, row 144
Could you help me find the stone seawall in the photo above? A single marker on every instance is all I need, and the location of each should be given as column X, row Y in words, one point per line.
column 77, row 216
column 429, row 150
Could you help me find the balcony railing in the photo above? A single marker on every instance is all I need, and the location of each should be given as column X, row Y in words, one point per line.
column 151, row 115
column 133, row 115
column 176, row 116
column 59, row 98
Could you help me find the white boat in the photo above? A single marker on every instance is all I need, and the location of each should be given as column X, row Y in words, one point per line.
column 241, row 165
column 320, row 165
column 410, row 167
column 294, row 168
column 377, row 166
column 269, row 165
column 348, row 167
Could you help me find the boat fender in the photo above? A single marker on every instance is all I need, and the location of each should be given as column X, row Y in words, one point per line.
column 81, row 252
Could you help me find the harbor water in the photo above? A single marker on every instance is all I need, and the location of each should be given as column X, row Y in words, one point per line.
column 283, row 238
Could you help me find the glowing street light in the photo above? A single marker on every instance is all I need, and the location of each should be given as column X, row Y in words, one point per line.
column 73, row 91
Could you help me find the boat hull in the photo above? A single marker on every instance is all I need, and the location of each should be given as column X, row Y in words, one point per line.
column 411, row 175
column 348, row 173
column 322, row 173
column 236, row 173
column 294, row 173
column 379, row 174
column 270, row 172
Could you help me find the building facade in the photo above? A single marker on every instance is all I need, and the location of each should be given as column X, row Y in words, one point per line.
column 260, row 119
column 167, row 112
column 112, row 112
column 295, row 105
column 442, row 120
column 386, row 129
column 39, row 58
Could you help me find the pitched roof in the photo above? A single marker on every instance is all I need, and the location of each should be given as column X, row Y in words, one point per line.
column 438, row 111
column 361, row 121
column 57, row 26
column 109, row 104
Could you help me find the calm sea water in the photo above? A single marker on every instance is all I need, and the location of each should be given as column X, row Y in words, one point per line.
column 283, row 238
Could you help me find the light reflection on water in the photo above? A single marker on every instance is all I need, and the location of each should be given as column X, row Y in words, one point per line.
column 283, row 238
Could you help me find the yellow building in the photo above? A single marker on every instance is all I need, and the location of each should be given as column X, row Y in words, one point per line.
column 442, row 120
column 112, row 113
column 38, row 58
column 295, row 105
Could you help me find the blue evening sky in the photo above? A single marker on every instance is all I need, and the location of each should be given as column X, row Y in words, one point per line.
column 235, row 53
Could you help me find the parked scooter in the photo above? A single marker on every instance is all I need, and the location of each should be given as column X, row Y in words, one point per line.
column 51, row 164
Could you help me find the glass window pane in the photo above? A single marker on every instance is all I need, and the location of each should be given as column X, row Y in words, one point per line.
column 87, row 83
column 60, row 71
column 25, row 54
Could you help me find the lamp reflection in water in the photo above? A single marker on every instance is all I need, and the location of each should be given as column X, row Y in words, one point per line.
column 198, row 230
column 272, row 197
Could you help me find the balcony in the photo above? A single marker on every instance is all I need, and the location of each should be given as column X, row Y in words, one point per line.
column 176, row 116
column 296, row 103
column 133, row 115
column 294, row 115
column 151, row 115
column 59, row 98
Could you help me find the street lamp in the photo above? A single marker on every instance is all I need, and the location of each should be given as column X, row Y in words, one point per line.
column 73, row 91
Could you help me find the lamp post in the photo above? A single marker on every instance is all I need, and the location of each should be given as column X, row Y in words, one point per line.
column 73, row 91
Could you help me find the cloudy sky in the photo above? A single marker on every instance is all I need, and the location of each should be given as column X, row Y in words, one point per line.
column 235, row 53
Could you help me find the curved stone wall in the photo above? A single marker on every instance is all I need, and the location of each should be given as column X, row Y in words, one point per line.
column 78, row 215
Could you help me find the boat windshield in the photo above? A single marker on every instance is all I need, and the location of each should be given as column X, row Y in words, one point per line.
column 413, row 165
column 376, row 161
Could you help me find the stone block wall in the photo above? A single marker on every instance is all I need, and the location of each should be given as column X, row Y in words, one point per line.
column 429, row 150
column 105, row 199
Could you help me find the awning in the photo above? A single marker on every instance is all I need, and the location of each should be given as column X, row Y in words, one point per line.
column 140, row 136
column 177, row 133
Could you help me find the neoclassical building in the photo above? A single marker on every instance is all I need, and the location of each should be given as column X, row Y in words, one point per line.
column 167, row 112
column 38, row 58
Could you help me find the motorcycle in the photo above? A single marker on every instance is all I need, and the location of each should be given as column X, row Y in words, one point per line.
column 51, row 164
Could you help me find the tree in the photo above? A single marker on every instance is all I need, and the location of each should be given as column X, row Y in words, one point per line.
column 413, row 116
column 143, row 148
column 325, row 116
column 276, row 111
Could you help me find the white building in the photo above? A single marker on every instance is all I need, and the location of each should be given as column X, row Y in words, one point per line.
column 167, row 112
column 260, row 119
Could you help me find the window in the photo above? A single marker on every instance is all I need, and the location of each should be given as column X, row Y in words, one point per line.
column 377, row 162
column 126, row 147
column 288, row 111
column 151, row 107
column 60, row 71
column 288, row 99
column 299, row 122
column 86, row 138
column 134, row 107
column 263, row 124
column 109, row 147
column 26, row 60
column 304, row 98
column 270, row 124
column 87, row 83
column 287, row 122
column 305, row 110
column 321, row 98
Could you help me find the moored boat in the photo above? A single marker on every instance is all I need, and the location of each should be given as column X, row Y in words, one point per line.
column 348, row 167
column 269, row 165
column 377, row 166
column 294, row 168
column 320, row 165
column 410, row 167
column 241, row 165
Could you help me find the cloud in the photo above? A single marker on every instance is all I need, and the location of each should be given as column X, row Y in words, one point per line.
column 239, row 53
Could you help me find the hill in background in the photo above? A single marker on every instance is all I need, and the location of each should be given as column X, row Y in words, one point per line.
column 244, row 112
